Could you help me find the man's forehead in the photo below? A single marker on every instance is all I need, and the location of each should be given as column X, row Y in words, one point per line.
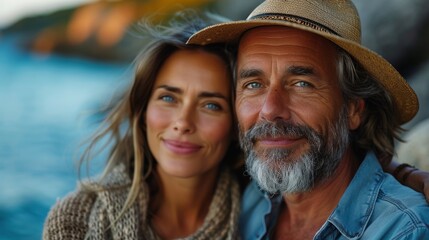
column 280, row 40
column 271, row 33
column 268, row 47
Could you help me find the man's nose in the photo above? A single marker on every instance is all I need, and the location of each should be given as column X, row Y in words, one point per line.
column 276, row 105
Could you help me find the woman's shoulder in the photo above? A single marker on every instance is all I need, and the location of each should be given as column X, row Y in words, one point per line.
column 68, row 218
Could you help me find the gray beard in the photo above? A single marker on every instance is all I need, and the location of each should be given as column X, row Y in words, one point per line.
column 274, row 169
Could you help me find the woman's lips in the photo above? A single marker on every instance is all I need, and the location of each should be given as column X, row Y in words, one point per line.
column 180, row 147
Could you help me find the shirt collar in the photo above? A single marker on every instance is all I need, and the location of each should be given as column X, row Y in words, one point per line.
column 356, row 206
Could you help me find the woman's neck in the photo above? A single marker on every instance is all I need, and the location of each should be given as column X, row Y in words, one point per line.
column 179, row 206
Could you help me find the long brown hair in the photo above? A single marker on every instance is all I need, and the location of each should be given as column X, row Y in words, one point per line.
column 124, row 126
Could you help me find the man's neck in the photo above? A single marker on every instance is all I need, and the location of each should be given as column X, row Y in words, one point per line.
column 305, row 213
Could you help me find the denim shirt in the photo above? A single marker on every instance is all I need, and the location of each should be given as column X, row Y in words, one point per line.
column 374, row 206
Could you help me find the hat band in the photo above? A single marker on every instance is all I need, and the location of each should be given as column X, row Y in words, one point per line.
column 294, row 19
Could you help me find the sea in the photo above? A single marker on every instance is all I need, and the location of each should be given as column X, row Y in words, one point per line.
column 48, row 106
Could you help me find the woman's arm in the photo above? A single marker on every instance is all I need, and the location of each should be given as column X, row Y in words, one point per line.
column 410, row 176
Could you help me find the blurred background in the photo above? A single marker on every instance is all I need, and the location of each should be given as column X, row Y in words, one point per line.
column 60, row 61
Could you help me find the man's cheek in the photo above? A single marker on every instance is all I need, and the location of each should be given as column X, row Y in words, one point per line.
column 247, row 113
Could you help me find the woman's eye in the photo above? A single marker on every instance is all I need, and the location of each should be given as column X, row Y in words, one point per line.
column 167, row 98
column 213, row 106
column 253, row 85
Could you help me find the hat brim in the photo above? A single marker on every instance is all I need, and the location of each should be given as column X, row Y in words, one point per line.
column 403, row 95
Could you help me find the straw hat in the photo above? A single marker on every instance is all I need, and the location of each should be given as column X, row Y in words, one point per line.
column 336, row 20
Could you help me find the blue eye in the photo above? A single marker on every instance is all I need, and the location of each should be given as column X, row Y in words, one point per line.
column 253, row 85
column 167, row 98
column 303, row 84
column 213, row 106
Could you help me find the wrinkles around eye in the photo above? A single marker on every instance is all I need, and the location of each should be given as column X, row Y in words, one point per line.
column 253, row 85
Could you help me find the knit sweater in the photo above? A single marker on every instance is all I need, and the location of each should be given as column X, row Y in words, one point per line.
column 88, row 215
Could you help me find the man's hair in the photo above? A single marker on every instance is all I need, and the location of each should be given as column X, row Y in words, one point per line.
column 380, row 125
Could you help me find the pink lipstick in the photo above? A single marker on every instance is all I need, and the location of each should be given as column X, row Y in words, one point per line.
column 180, row 147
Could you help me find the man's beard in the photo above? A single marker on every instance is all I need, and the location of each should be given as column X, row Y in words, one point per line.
column 275, row 170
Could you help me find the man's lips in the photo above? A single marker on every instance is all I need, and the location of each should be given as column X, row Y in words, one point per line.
column 277, row 142
column 181, row 147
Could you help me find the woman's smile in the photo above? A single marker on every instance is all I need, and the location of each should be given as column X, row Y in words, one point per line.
column 181, row 147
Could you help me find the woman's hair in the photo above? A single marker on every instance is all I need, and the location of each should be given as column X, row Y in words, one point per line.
column 380, row 126
column 125, row 127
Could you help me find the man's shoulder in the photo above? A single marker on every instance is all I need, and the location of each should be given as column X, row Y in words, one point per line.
column 403, row 200
column 400, row 211
column 376, row 206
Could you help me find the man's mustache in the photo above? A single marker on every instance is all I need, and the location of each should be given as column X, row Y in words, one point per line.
column 278, row 128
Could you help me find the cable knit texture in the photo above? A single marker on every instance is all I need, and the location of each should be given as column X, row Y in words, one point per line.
column 89, row 215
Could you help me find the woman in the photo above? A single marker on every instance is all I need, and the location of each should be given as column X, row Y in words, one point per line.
column 169, row 174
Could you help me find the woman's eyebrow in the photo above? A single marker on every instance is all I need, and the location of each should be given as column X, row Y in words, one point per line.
column 204, row 94
column 212, row 95
column 170, row 88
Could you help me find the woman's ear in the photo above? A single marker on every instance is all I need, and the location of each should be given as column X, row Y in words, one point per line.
column 355, row 113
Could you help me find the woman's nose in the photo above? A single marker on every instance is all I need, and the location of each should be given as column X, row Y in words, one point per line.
column 184, row 122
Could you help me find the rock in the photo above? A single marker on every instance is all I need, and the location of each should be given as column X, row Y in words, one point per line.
column 415, row 150
column 397, row 30
column 420, row 83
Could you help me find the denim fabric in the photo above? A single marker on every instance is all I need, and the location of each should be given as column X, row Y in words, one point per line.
column 374, row 206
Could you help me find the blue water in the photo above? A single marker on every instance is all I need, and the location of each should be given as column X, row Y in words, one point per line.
column 45, row 113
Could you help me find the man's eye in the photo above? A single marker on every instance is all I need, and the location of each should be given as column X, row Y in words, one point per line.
column 303, row 84
column 253, row 85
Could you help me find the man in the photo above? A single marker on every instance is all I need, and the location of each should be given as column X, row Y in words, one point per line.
column 318, row 114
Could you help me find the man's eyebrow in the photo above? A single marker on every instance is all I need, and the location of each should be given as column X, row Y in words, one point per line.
column 300, row 70
column 248, row 73
column 294, row 70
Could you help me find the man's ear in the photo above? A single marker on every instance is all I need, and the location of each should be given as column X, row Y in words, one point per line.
column 355, row 113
